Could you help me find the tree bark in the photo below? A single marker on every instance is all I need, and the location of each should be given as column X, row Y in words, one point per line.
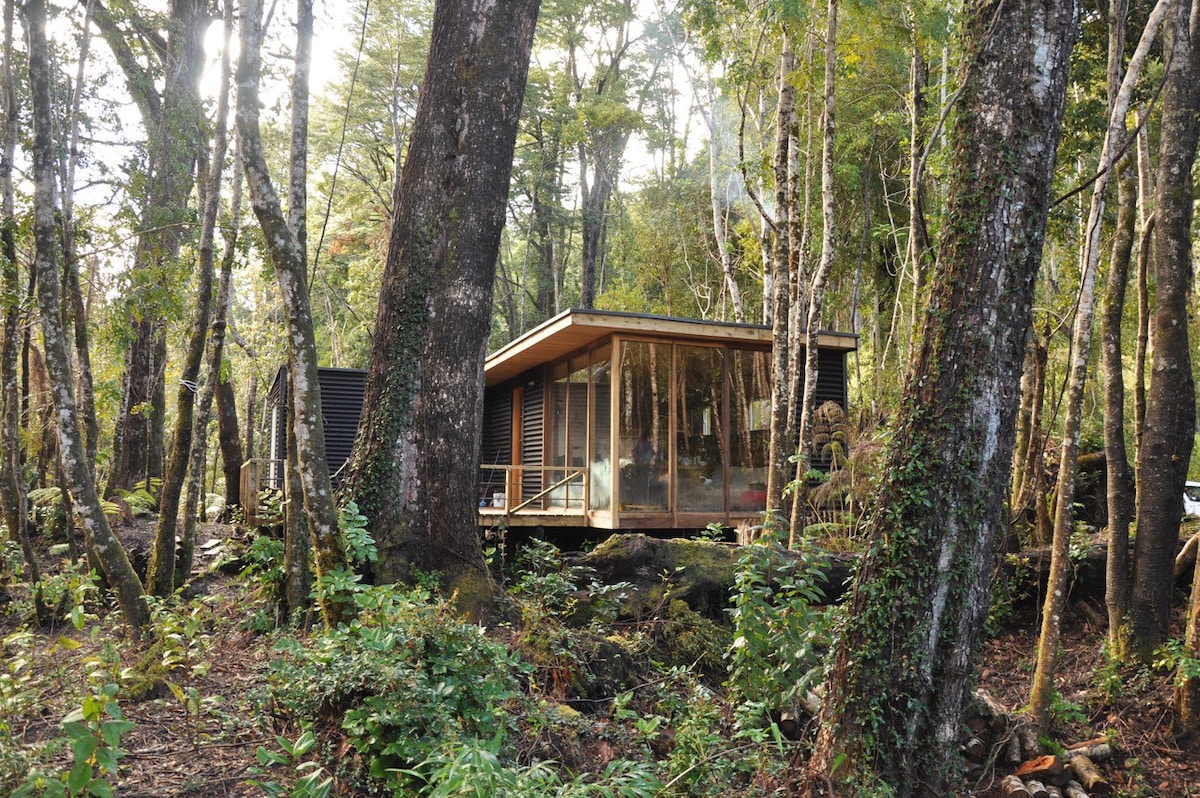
column 161, row 572
column 902, row 663
column 12, row 485
column 291, row 269
column 816, row 291
column 1170, row 422
column 170, row 115
column 413, row 469
column 1119, row 478
column 1120, row 83
column 101, row 542
column 779, row 446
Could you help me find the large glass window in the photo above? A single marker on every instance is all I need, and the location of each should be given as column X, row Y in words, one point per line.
column 699, row 433
column 568, row 438
column 600, row 467
column 750, row 391
column 645, row 397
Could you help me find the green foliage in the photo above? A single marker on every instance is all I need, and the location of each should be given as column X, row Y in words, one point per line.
column 779, row 632
column 476, row 770
column 360, row 546
column 93, row 733
column 17, row 694
column 403, row 678
column 1174, row 655
column 312, row 782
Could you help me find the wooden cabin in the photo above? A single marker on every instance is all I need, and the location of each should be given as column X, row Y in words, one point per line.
column 601, row 419
column 627, row 421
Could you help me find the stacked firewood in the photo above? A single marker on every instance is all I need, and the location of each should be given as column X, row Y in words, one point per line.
column 998, row 740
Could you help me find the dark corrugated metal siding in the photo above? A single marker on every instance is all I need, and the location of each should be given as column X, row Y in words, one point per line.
column 341, row 408
column 533, row 433
column 496, row 443
column 831, row 387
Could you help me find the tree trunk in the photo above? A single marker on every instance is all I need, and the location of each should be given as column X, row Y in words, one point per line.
column 198, row 451
column 782, row 423
column 161, row 572
column 99, row 537
column 12, row 484
column 816, row 291
column 291, row 270
column 229, row 438
column 1170, row 400
column 1120, row 83
column 902, row 665
column 413, row 471
column 1118, row 476
column 170, row 116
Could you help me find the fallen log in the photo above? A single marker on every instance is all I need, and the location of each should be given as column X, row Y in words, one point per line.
column 1054, row 791
column 1090, row 777
column 1037, row 789
column 1013, row 787
column 1074, row 790
column 1095, row 750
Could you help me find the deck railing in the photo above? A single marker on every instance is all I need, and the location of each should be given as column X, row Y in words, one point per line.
column 533, row 490
column 259, row 474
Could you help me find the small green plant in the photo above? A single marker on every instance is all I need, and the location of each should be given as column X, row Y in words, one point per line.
column 1173, row 655
column 779, row 631
column 403, row 677
column 312, row 782
column 17, row 695
column 712, row 533
column 93, row 733
column 360, row 546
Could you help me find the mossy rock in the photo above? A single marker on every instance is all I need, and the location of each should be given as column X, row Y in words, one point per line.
column 699, row 573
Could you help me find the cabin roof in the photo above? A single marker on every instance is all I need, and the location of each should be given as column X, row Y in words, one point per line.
column 574, row 329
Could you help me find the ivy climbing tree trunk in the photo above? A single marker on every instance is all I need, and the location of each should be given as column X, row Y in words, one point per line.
column 291, row 269
column 902, row 665
column 413, row 472
column 101, row 542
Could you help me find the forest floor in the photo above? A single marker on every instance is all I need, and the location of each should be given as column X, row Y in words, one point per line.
column 200, row 735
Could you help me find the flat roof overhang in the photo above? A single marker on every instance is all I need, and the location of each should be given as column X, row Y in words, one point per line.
column 575, row 329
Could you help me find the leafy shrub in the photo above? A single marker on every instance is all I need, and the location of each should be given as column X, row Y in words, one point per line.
column 779, row 632
column 402, row 679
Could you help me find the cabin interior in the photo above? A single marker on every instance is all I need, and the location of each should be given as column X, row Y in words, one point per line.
column 625, row 421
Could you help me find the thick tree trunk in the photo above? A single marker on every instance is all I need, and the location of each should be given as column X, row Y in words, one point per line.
column 229, row 438
column 902, row 666
column 291, row 270
column 1170, row 400
column 413, row 470
column 99, row 537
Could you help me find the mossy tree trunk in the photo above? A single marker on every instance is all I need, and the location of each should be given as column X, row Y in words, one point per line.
column 1170, row 421
column 902, row 666
column 291, row 268
column 414, row 468
column 1120, row 88
column 101, row 543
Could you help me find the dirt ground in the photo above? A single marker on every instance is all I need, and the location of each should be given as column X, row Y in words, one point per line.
column 209, row 749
